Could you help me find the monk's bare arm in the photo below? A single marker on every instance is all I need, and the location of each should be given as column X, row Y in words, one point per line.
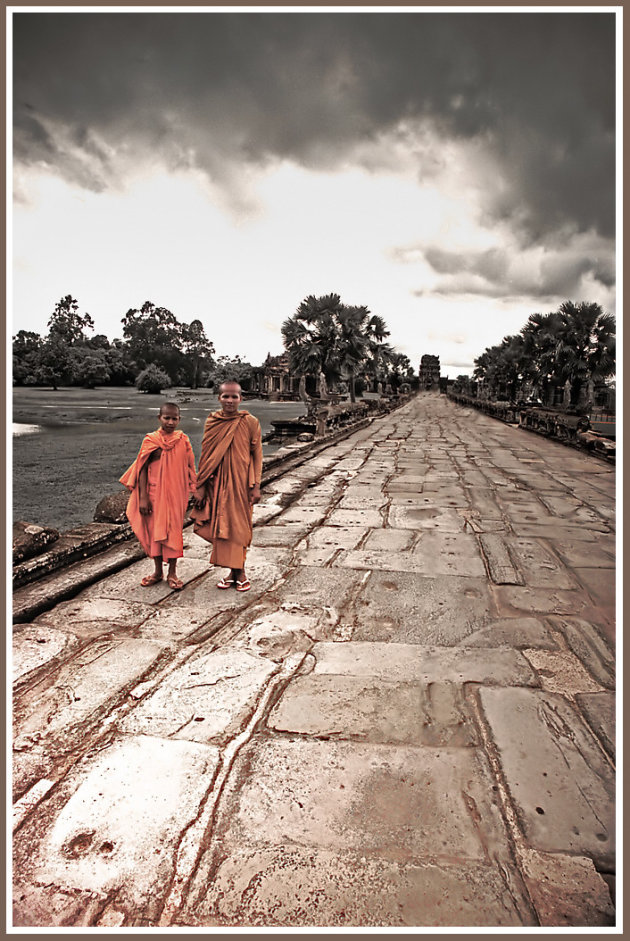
column 144, row 503
column 192, row 471
column 257, row 457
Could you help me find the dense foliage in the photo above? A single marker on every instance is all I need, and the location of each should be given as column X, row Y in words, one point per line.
column 343, row 342
column 570, row 347
column 156, row 351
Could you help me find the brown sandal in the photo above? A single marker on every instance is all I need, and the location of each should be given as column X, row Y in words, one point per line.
column 150, row 580
column 175, row 583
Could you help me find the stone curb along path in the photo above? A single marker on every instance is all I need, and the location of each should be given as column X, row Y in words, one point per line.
column 409, row 720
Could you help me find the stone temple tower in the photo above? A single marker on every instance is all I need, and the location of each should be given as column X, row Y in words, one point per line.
column 429, row 374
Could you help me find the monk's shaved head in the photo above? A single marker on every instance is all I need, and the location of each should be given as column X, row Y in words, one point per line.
column 230, row 382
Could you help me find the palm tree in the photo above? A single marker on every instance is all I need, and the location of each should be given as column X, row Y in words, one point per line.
column 540, row 344
column 334, row 338
column 586, row 345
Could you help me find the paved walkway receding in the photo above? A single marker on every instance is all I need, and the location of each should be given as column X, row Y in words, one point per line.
column 409, row 721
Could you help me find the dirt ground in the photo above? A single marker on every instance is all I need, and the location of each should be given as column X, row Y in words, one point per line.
column 86, row 438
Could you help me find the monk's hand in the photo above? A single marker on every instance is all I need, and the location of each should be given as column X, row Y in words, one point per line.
column 199, row 497
column 145, row 506
column 254, row 494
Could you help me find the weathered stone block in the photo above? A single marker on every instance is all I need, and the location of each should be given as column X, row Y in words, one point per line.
column 291, row 887
column 119, row 828
column 562, row 786
column 30, row 540
column 112, row 508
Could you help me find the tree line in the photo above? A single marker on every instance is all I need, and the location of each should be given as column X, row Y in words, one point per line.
column 344, row 342
column 572, row 346
column 156, row 351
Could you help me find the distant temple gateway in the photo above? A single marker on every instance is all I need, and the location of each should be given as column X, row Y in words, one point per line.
column 429, row 373
column 273, row 380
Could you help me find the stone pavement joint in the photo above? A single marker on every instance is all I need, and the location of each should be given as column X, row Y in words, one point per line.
column 409, row 721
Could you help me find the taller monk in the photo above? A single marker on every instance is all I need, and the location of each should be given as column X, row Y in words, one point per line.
column 228, row 484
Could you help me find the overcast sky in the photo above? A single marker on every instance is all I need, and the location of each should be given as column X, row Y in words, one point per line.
column 453, row 171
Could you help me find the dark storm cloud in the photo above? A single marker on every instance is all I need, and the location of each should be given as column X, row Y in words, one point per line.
column 500, row 273
column 95, row 93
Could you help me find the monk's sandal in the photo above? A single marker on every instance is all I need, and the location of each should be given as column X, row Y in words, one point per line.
column 243, row 586
column 225, row 582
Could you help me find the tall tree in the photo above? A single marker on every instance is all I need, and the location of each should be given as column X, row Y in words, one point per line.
column 198, row 351
column 26, row 355
column 586, row 345
column 66, row 332
column 230, row 367
column 154, row 336
column 337, row 339
column 66, row 324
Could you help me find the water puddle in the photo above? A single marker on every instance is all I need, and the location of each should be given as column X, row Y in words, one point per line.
column 21, row 429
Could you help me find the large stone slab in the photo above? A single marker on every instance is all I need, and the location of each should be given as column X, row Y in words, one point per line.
column 600, row 584
column 515, row 601
column 402, row 607
column 368, row 516
column 311, row 515
column 361, row 496
column 539, row 566
column 560, row 671
column 389, row 540
column 444, row 519
column 599, row 710
column 555, row 529
column 350, row 707
column 317, row 587
column 500, row 565
column 512, row 632
column 208, row 699
column 561, row 785
column 320, row 546
column 178, row 621
column 380, row 800
column 89, row 617
column 577, row 553
column 436, row 553
column 587, row 644
column 443, row 493
column 445, row 553
column 567, row 891
column 84, row 687
column 412, row 662
column 120, row 823
column 292, row 627
column 484, row 501
column 282, row 535
column 126, row 585
column 35, row 645
column 294, row 887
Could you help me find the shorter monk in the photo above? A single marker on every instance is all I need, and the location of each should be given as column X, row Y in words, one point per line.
column 228, row 484
column 161, row 480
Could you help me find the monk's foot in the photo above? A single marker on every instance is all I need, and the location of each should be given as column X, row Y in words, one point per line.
column 150, row 580
column 226, row 582
column 175, row 583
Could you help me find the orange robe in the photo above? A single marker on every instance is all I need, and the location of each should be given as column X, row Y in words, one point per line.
column 171, row 480
column 230, row 463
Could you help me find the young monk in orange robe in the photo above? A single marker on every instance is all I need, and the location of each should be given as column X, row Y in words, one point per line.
column 228, row 484
column 161, row 479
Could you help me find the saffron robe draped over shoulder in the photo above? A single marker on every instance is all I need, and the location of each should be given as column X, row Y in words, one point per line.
column 175, row 480
column 230, row 463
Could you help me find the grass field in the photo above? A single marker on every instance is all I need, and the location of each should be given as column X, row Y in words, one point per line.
column 72, row 445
